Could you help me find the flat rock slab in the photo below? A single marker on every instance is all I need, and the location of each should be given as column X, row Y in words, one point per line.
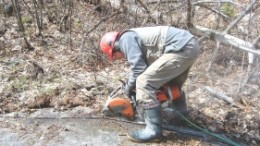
column 47, row 127
column 78, row 132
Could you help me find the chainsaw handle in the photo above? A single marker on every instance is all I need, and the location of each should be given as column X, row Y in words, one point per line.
column 133, row 98
column 123, row 82
column 115, row 92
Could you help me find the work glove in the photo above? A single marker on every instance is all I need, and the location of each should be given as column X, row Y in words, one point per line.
column 129, row 90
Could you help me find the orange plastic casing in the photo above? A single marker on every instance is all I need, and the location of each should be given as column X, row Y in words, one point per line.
column 162, row 95
column 123, row 107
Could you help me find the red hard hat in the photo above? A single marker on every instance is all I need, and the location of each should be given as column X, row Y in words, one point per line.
column 107, row 43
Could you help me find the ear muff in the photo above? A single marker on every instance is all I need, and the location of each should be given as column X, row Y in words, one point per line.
column 116, row 46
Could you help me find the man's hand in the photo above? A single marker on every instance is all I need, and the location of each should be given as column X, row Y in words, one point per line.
column 129, row 90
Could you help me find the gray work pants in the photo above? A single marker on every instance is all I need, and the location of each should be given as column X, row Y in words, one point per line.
column 165, row 69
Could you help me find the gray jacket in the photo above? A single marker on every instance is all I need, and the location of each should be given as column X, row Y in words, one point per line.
column 142, row 46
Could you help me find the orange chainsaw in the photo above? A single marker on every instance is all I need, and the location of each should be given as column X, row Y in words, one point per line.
column 118, row 104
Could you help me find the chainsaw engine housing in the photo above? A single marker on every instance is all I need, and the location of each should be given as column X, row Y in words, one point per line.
column 120, row 107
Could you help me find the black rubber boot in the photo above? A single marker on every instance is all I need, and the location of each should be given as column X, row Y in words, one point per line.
column 153, row 129
column 170, row 116
column 181, row 104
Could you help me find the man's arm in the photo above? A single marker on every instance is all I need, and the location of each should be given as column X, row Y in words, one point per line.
column 131, row 45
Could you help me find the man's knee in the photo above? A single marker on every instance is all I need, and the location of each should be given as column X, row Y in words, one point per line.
column 144, row 91
column 141, row 81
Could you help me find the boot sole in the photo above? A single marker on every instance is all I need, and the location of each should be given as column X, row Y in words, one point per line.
column 157, row 140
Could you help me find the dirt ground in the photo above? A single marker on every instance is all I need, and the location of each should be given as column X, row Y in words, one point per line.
column 57, row 77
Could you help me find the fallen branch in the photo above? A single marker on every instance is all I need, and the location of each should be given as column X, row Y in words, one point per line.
column 161, row 1
column 222, row 96
column 223, row 37
column 251, row 56
column 215, row 1
column 228, row 40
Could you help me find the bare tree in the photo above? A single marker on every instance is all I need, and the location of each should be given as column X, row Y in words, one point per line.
column 17, row 9
column 38, row 7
